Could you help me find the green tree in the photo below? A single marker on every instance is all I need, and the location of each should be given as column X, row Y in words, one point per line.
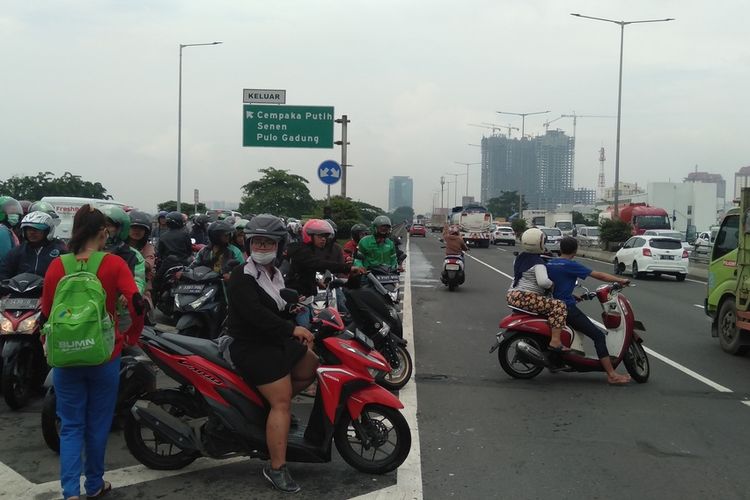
column 186, row 208
column 344, row 213
column 277, row 192
column 367, row 212
column 402, row 214
column 519, row 226
column 46, row 184
column 612, row 232
column 591, row 220
column 505, row 205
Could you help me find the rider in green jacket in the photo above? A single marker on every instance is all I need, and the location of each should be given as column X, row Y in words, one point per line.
column 377, row 249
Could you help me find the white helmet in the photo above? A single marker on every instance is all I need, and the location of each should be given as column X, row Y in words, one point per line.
column 40, row 221
column 532, row 240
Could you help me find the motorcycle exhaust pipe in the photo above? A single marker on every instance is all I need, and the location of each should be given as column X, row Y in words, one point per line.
column 166, row 426
column 531, row 354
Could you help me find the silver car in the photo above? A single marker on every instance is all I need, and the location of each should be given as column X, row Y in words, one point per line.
column 554, row 236
column 588, row 236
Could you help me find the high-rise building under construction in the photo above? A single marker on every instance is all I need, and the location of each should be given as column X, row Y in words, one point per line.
column 541, row 169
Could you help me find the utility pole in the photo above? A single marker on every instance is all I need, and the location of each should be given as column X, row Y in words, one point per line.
column 442, row 184
column 344, row 120
column 523, row 118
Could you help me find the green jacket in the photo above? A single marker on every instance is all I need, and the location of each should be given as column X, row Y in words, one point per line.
column 374, row 254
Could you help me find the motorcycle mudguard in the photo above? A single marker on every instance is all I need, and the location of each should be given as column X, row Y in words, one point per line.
column 165, row 425
column 371, row 394
column 397, row 340
column 188, row 320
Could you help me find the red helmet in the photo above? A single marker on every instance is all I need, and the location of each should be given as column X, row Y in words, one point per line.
column 315, row 226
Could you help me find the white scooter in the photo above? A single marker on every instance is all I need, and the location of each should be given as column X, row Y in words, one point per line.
column 453, row 271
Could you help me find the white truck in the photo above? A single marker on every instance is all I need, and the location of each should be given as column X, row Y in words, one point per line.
column 561, row 220
column 534, row 217
column 474, row 222
column 67, row 206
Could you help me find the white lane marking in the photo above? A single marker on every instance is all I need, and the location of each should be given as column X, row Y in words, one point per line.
column 493, row 268
column 424, row 286
column 699, row 305
column 503, row 249
column 746, row 403
column 696, row 281
column 674, row 364
column 409, row 475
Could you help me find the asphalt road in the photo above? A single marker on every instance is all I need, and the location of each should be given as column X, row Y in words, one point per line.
column 482, row 434
column 570, row 435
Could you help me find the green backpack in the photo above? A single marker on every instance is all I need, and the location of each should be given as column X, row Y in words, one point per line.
column 79, row 330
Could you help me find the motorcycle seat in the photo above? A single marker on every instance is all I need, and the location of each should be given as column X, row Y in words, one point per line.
column 202, row 347
column 524, row 311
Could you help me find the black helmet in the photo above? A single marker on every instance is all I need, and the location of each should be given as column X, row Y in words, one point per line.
column 140, row 219
column 266, row 225
column 359, row 230
column 217, row 229
column 174, row 220
column 201, row 220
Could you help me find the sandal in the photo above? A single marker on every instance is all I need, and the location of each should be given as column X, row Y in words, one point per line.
column 559, row 349
column 106, row 488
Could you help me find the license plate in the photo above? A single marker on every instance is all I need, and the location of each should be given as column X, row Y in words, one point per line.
column 390, row 278
column 452, row 267
column 20, row 303
column 667, row 257
column 190, row 289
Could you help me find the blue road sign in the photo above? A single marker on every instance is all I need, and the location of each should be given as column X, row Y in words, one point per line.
column 329, row 172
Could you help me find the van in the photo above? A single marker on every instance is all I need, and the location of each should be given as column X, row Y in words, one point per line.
column 67, row 206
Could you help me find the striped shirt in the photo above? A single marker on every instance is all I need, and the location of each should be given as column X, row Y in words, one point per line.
column 534, row 280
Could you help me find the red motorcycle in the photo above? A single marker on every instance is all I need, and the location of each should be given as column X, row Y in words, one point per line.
column 215, row 413
column 524, row 343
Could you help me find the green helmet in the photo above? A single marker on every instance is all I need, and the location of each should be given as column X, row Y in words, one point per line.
column 240, row 224
column 120, row 219
column 10, row 210
column 380, row 220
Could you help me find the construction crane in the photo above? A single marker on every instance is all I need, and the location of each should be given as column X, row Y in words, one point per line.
column 508, row 127
column 494, row 129
column 550, row 122
column 575, row 117
column 523, row 118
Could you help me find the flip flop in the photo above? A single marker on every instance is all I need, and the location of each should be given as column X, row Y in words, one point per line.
column 559, row 349
column 106, row 488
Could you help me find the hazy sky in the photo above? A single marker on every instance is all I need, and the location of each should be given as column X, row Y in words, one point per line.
column 91, row 87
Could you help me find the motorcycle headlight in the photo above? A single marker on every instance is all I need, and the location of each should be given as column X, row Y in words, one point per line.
column 28, row 325
column 6, row 326
column 197, row 303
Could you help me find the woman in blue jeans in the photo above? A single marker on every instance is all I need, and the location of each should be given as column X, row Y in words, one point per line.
column 86, row 395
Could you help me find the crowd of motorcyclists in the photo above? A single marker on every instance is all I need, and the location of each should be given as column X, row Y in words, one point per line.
column 267, row 250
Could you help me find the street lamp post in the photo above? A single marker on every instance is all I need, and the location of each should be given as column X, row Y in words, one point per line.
column 467, row 173
column 523, row 119
column 455, row 188
column 622, row 25
column 179, row 122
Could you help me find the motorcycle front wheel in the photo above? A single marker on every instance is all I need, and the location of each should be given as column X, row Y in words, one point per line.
column 398, row 377
column 383, row 447
column 18, row 378
column 147, row 447
column 636, row 363
column 51, row 422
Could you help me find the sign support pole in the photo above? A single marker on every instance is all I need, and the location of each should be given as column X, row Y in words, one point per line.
column 344, row 120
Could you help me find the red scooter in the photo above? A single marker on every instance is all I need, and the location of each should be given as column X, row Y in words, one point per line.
column 216, row 413
column 524, row 342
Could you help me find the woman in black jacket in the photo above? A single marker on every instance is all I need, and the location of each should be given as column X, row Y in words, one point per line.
column 268, row 349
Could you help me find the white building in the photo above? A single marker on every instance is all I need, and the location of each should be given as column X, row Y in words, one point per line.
column 689, row 203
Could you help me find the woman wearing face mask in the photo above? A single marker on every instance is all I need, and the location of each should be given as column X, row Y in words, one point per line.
column 269, row 351
column 10, row 216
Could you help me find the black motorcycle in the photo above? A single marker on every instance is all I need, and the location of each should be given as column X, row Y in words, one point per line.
column 386, row 281
column 200, row 302
column 137, row 377
column 23, row 362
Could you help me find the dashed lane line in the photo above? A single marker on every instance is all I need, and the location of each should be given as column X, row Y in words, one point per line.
column 687, row 371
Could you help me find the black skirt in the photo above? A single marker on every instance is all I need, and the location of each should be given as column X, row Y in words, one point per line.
column 261, row 364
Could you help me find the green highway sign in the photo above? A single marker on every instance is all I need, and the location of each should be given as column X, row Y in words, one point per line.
column 273, row 126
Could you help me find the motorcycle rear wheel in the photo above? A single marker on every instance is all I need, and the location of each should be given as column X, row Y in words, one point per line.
column 399, row 377
column 510, row 362
column 51, row 422
column 636, row 363
column 147, row 449
column 383, row 425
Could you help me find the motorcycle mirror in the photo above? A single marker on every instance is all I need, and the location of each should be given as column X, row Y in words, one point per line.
column 289, row 295
column 192, row 241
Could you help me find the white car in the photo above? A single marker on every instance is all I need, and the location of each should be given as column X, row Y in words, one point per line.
column 671, row 234
column 554, row 236
column 588, row 236
column 652, row 254
column 504, row 234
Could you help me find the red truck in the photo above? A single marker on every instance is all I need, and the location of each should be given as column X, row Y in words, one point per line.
column 642, row 216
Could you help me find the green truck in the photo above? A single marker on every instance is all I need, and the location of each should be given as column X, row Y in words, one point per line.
column 727, row 300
